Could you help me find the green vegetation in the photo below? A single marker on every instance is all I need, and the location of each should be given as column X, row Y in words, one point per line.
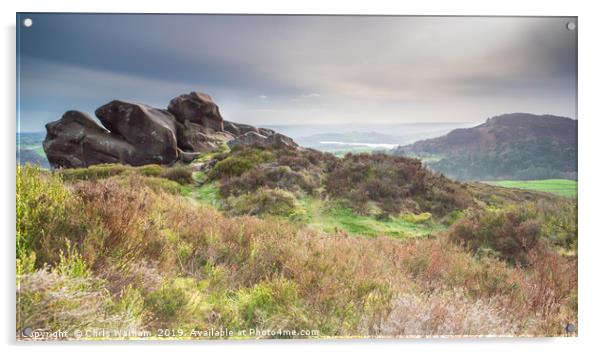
column 561, row 187
column 178, row 173
column 236, row 164
column 338, row 218
column 264, row 201
column 393, row 184
column 291, row 239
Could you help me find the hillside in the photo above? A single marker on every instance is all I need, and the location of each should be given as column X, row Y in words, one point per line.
column 514, row 146
column 210, row 228
column 270, row 237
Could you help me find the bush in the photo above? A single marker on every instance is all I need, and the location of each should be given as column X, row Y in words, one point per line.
column 390, row 182
column 44, row 205
column 272, row 177
column 69, row 298
column 93, row 172
column 121, row 223
column 509, row 234
column 231, row 166
column 159, row 184
column 271, row 304
column 264, row 201
column 417, row 218
column 180, row 174
column 150, row 170
column 177, row 304
column 240, row 160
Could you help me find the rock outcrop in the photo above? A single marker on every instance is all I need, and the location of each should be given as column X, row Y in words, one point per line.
column 197, row 108
column 76, row 140
column 150, row 130
column 256, row 138
column 136, row 134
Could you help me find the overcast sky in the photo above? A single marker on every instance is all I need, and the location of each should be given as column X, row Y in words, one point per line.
column 300, row 69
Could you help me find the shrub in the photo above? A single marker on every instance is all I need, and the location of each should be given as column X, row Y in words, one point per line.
column 122, row 225
column 181, row 174
column 270, row 176
column 417, row 218
column 240, row 160
column 158, row 185
column 447, row 313
column 264, row 201
column 93, row 172
column 271, row 304
column 509, row 233
column 55, row 301
column 177, row 304
column 43, row 216
column 151, row 170
column 231, row 166
column 390, row 182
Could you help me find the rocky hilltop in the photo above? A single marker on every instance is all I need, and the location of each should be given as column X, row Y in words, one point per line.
column 137, row 134
column 508, row 146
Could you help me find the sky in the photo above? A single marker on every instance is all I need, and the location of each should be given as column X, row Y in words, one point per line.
column 268, row 70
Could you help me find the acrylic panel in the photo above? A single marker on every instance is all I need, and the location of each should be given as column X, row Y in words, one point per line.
column 190, row 176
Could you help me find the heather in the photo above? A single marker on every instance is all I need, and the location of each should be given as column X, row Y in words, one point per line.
column 125, row 251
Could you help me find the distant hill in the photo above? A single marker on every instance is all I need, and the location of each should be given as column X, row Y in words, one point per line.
column 510, row 146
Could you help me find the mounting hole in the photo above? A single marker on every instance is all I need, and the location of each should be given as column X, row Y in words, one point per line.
column 571, row 26
column 28, row 22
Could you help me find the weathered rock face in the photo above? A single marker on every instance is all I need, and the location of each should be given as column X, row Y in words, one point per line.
column 76, row 140
column 200, row 125
column 152, row 131
column 255, row 138
column 193, row 137
column 197, row 108
column 137, row 134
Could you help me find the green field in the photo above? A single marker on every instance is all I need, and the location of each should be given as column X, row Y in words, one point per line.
column 561, row 187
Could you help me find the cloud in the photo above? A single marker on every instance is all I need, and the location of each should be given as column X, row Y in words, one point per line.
column 308, row 68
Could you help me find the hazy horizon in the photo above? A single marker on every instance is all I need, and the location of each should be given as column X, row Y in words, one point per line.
column 308, row 70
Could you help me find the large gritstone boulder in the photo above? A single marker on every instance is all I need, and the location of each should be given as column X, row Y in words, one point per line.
column 152, row 131
column 255, row 138
column 197, row 108
column 76, row 140
column 194, row 137
column 200, row 125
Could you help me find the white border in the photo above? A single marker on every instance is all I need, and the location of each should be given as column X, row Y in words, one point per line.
column 590, row 246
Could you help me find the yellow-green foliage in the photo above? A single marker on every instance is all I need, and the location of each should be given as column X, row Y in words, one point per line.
column 181, row 174
column 177, row 303
column 43, row 206
column 241, row 161
column 271, row 304
column 417, row 218
column 178, row 173
column 150, row 170
column 264, row 201
column 69, row 297
column 93, row 172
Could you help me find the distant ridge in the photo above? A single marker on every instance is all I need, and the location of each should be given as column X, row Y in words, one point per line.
column 508, row 146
